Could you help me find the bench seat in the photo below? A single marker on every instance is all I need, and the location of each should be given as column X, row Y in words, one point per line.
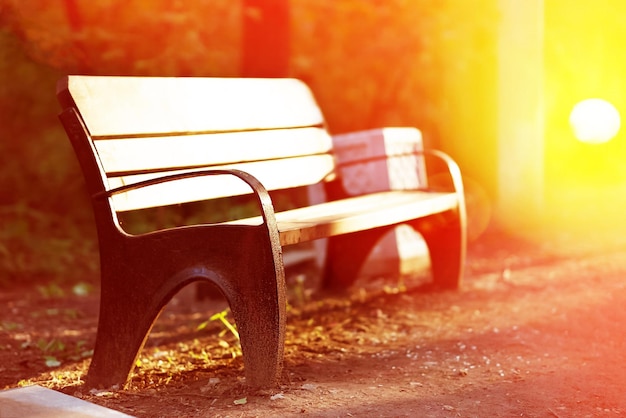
column 355, row 214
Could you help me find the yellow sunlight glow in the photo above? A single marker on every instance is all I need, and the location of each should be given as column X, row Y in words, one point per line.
column 594, row 121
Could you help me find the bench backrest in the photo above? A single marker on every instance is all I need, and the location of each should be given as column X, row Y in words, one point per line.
column 130, row 129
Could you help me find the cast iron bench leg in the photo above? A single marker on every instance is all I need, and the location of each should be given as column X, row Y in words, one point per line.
column 444, row 235
column 245, row 266
column 258, row 305
column 346, row 255
column 126, row 317
column 257, row 297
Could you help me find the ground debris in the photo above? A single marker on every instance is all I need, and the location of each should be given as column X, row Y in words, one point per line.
column 539, row 347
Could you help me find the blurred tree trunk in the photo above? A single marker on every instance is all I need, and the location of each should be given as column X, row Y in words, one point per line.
column 265, row 38
column 75, row 21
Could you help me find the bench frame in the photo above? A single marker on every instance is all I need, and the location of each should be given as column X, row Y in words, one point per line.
column 136, row 284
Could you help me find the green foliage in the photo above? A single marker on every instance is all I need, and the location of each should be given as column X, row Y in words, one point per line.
column 51, row 291
column 42, row 247
column 67, row 313
column 10, row 326
column 55, row 351
column 44, row 213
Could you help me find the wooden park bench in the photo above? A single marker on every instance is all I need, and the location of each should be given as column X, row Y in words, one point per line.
column 146, row 142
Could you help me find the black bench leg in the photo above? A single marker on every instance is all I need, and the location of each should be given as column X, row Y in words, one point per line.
column 445, row 237
column 243, row 263
column 261, row 327
column 258, row 302
column 124, row 323
column 346, row 255
column 259, row 311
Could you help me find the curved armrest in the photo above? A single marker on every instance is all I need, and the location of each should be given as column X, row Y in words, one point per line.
column 263, row 197
column 457, row 181
column 453, row 168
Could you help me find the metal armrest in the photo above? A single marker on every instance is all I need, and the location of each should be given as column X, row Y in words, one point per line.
column 263, row 197
column 453, row 168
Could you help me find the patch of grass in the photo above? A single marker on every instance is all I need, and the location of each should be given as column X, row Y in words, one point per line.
column 10, row 326
column 54, row 351
column 40, row 247
column 50, row 291
column 68, row 313
column 222, row 317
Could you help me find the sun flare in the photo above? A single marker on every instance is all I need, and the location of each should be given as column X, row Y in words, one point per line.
column 595, row 121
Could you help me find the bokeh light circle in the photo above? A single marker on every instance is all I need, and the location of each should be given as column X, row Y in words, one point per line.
column 594, row 121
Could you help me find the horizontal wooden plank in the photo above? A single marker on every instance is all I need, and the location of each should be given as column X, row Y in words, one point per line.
column 138, row 106
column 356, row 214
column 275, row 174
column 131, row 155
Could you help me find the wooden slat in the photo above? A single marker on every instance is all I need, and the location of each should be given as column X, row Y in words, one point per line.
column 356, row 214
column 131, row 155
column 274, row 174
column 137, row 106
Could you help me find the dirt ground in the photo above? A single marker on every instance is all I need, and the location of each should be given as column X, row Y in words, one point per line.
column 535, row 331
